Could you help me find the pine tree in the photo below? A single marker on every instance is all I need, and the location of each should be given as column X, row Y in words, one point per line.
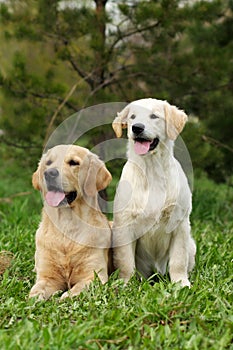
column 60, row 56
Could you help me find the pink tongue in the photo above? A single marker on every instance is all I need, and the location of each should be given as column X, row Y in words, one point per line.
column 54, row 198
column 142, row 147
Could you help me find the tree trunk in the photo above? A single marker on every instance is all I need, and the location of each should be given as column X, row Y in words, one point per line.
column 99, row 42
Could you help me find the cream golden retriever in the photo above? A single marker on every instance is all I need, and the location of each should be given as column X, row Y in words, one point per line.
column 151, row 227
column 73, row 237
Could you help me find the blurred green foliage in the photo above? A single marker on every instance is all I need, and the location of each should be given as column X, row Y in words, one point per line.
column 58, row 57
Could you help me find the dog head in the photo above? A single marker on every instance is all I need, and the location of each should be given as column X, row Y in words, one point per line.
column 68, row 172
column 149, row 121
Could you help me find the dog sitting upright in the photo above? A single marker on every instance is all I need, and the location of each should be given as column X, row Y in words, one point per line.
column 153, row 202
column 73, row 237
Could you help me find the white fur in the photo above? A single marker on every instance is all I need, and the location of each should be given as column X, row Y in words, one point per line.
column 151, row 227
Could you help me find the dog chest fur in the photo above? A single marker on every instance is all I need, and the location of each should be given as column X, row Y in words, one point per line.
column 67, row 258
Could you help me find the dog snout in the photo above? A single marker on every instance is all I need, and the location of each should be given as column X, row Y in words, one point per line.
column 51, row 174
column 138, row 128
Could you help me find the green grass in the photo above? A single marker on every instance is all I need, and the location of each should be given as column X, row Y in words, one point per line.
column 112, row 316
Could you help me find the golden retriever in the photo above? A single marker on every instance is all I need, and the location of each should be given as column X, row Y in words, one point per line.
column 73, row 237
column 151, row 227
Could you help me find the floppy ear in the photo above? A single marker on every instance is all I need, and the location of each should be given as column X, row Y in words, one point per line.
column 175, row 120
column 120, row 122
column 97, row 178
column 35, row 180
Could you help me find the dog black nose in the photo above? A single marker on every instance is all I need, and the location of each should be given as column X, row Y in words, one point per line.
column 51, row 174
column 138, row 128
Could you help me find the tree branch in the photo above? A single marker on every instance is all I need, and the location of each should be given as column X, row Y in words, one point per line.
column 42, row 96
column 59, row 99
column 81, row 73
column 113, row 80
column 17, row 145
column 216, row 143
column 130, row 33
column 59, row 108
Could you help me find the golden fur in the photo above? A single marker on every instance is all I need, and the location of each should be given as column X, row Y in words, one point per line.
column 73, row 239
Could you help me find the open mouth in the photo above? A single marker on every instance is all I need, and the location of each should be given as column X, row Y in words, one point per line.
column 143, row 146
column 56, row 197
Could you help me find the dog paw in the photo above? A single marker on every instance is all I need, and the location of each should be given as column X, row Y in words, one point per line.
column 185, row 283
column 39, row 295
column 66, row 295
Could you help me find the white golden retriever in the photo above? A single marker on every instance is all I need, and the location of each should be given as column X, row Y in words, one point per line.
column 151, row 227
column 73, row 237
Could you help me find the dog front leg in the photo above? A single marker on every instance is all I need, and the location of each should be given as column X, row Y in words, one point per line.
column 45, row 288
column 179, row 254
column 79, row 282
column 124, row 260
column 77, row 288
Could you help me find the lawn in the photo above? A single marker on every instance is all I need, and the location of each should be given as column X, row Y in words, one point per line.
column 140, row 315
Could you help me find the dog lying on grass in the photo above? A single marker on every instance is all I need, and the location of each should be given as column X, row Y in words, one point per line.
column 73, row 237
column 152, row 205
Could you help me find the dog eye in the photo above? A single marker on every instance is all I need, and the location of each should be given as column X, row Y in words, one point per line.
column 133, row 116
column 153, row 116
column 49, row 162
column 73, row 162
